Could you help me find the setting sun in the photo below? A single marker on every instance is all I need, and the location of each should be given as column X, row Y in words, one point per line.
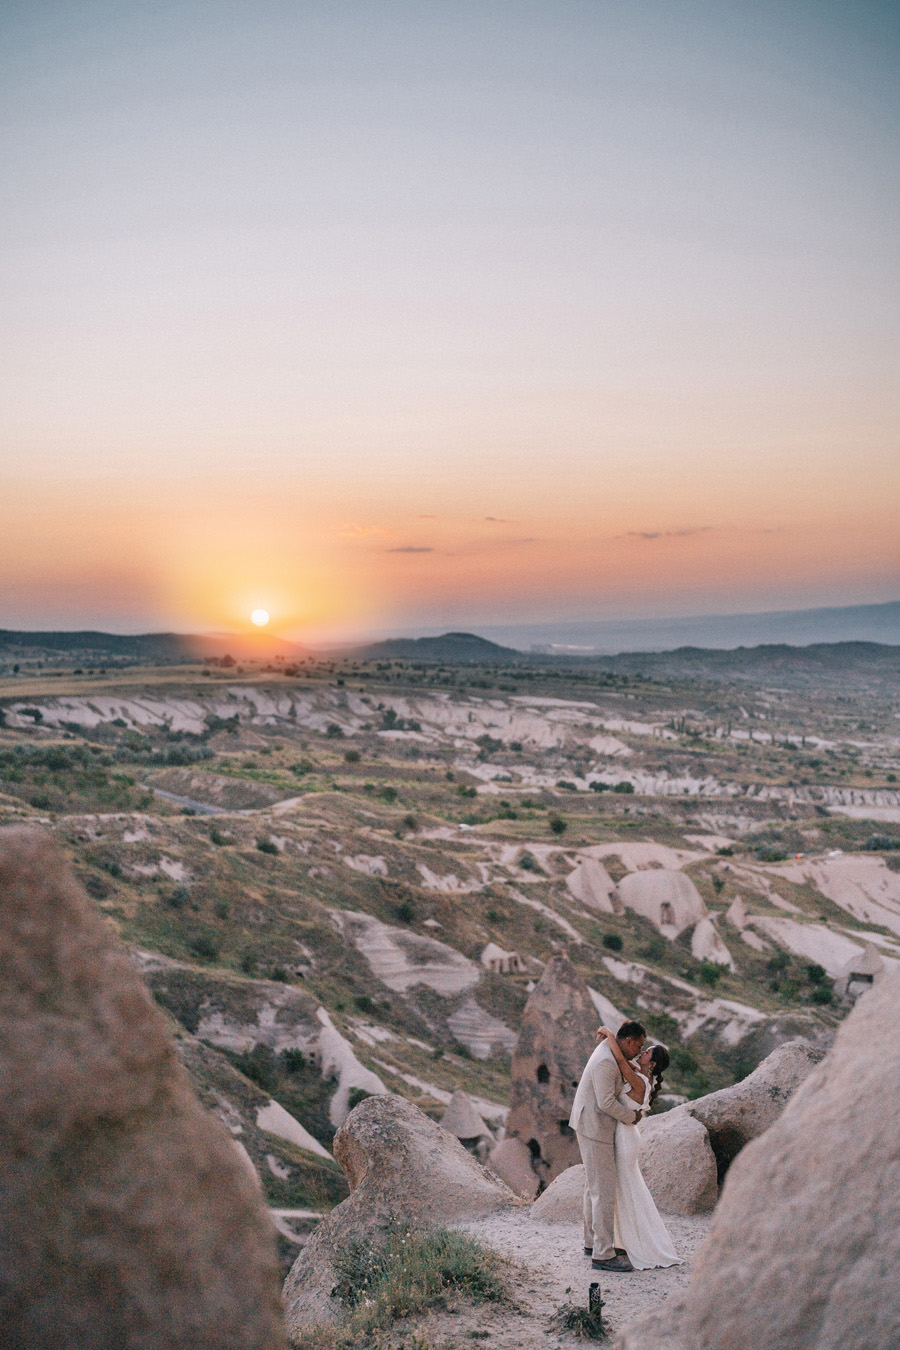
column 260, row 617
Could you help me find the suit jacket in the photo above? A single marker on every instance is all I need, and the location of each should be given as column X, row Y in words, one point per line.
column 596, row 1107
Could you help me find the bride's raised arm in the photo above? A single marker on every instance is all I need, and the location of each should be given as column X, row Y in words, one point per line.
column 637, row 1085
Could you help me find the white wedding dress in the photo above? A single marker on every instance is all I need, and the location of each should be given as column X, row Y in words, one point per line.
column 638, row 1227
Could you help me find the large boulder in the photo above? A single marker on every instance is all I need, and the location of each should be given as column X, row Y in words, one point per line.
column 805, row 1243
column 511, row 1160
column 563, row 1199
column 737, row 1114
column 678, row 1163
column 556, row 1039
column 128, row 1218
column 400, row 1165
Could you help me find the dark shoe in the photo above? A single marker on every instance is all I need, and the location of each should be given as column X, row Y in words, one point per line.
column 619, row 1264
column 589, row 1251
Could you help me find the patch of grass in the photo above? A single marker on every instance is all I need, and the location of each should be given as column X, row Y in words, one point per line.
column 413, row 1270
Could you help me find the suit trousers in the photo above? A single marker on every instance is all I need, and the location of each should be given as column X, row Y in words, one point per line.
column 599, row 1195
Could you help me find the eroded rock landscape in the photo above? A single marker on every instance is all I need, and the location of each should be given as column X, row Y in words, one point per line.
column 351, row 877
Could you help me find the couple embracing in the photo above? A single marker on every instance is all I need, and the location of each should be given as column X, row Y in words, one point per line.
column 622, row 1227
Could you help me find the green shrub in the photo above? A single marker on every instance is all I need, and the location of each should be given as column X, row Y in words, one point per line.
column 557, row 825
column 612, row 941
column 624, row 787
column 334, row 732
column 293, row 1060
column 267, row 846
column 204, row 946
column 683, row 1060
column 770, row 853
column 823, row 993
column 881, row 843
column 260, row 1065
column 217, row 837
column 711, row 973
column 815, row 974
column 352, row 757
column 527, row 862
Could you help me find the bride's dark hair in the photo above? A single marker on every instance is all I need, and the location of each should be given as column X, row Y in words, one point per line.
column 659, row 1058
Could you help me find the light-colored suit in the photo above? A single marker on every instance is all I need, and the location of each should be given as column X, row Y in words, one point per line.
column 595, row 1112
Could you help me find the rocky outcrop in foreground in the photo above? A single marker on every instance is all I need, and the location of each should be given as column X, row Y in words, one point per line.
column 735, row 1115
column 128, row 1219
column 400, row 1165
column 805, row 1243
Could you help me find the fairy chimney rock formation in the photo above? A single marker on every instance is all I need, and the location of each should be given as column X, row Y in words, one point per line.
column 555, row 1041
column 128, row 1218
column 463, row 1121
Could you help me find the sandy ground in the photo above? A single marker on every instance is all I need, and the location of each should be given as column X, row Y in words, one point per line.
column 555, row 1272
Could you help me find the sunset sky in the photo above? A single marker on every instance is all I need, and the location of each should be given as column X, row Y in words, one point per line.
column 394, row 316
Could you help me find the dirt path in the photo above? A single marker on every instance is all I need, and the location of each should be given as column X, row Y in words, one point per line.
column 557, row 1272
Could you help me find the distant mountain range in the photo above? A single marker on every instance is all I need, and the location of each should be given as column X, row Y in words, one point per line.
column 849, row 623
column 459, row 648
column 94, row 647
column 739, row 646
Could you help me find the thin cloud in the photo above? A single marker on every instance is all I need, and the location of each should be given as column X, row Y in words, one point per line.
column 409, row 548
column 356, row 531
column 667, row 534
column 499, row 520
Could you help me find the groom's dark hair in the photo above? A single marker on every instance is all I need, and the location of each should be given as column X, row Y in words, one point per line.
column 630, row 1031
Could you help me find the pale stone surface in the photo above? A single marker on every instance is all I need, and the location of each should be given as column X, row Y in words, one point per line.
column 401, row 959
column 479, row 1031
column 805, row 1243
column 667, row 898
column 462, row 1119
column 706, row 945
column 511, row 1160
column 593, row 886
column 556, row 1039
column 401, row 1165
column 678, row 1164
column 562, row 1201
column 737, row 1114
column 860, row 973
column 275, row 1120
column 128, row 1218
column 501, row 962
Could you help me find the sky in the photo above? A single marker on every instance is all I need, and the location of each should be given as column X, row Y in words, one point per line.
column 405, row 316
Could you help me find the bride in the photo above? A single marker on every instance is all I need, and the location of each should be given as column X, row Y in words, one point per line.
column 639, row 1228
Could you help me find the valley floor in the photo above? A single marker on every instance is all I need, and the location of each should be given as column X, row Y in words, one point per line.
column 555, row 1272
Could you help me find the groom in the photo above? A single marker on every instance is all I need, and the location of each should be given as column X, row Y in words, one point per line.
column 594, row 1114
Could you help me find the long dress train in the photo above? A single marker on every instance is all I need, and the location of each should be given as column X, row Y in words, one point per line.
column 638, row 1227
